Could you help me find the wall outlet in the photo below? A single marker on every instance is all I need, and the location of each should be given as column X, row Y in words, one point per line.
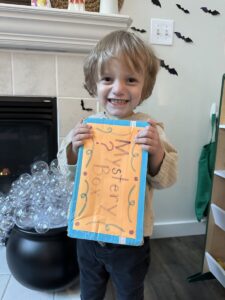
column 161, row 31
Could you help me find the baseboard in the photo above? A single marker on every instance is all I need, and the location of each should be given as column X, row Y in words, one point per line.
column 182, row 228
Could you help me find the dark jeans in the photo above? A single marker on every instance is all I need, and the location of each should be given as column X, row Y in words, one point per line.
column 125, row 265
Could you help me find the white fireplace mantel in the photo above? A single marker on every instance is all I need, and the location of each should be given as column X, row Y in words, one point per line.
column 49, row 29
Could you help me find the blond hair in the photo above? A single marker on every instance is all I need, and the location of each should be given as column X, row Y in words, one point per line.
column 126, row 45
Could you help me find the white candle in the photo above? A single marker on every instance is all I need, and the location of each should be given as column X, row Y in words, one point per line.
column 109, row 6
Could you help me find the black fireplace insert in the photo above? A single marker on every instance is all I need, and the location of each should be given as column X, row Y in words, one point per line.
column 28, row 133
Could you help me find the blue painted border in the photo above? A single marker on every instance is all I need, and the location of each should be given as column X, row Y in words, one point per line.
column 141, row 198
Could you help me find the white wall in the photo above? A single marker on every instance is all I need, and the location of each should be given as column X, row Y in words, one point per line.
column 183, row 102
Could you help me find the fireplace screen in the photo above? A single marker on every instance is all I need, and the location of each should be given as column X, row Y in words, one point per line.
column 28, row 133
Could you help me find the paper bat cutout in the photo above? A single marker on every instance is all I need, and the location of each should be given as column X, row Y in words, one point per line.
column 156, row 2
column 139, row 30
column 167, row 67
column 186, row 11
column 212, row 12
column 83, row 107
column 180, row 36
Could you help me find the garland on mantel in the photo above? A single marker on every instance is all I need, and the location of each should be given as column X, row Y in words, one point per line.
column 90, row 5
column 18, row 2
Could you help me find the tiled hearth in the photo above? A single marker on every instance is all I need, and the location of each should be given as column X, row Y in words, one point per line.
column 11, row 289
column 41, row 54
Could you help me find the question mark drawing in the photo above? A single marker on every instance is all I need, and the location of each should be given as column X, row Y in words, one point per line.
column 107, row 148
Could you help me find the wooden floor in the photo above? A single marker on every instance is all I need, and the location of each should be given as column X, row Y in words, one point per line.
column 173, row 260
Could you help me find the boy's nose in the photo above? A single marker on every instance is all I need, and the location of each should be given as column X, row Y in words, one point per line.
column 118, row 87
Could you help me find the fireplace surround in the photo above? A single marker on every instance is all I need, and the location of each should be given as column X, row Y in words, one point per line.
column 51, row 29
column 41, row 55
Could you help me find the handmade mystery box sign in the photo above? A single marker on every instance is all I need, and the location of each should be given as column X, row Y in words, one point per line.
column 109, row 189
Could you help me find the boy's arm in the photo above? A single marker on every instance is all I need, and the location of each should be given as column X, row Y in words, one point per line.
column 167, row 173
column 155, row 161
column 71, row 155
column 67, row 155
column 66, row 167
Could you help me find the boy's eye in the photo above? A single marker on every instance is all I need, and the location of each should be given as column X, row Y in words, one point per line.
column 132, row 80
column 107, row 79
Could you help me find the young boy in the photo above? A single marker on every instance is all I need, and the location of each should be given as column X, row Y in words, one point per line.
column 121, row 72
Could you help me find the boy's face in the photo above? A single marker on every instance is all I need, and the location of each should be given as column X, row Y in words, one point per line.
column 119, row 88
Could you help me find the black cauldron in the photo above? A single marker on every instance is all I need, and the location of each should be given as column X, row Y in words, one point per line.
column 42, row 261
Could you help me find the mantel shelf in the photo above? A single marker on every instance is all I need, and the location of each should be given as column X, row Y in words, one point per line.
column 49, row 29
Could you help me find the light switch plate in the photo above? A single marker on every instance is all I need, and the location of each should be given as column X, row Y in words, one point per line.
column 161, row 31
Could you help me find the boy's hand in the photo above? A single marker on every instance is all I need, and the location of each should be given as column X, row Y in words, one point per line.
column 81, row 132
column 149, row 140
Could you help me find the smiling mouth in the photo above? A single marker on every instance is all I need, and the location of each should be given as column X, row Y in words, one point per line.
column 118, row 101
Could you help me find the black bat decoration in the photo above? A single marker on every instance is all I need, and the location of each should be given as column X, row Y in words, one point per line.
column 180, row 36
column 186, row 11
column 156, row 2
column 212, row 12
column 167, row 67
column 82, row 105
column 139, row 30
